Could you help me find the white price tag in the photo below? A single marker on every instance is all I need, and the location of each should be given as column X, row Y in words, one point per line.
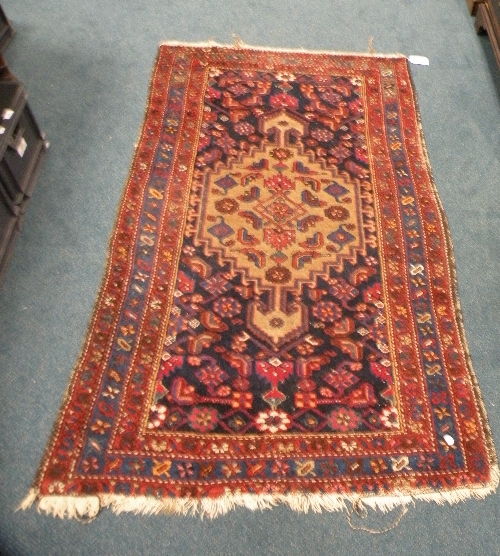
column 418, row 60
column 2, row 130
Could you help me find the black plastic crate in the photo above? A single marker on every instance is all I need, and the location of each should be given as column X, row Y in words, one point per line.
column 20, row 164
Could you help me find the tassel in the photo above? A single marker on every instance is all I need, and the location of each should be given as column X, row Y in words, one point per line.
column 29, row 500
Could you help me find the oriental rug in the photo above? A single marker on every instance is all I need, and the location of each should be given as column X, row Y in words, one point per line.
column 278, row 321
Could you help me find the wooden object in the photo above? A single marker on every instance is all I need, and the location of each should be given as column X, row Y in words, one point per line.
column 488, row 21
column 472, row 5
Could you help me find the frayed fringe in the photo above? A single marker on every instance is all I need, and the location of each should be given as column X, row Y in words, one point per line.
column 86, row 508
column 238, row 43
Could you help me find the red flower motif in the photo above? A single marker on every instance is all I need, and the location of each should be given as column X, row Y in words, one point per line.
column 283, row 100
column 203, row 142
column 211, row 376
column 280, row 468
column 342, row 290
column 213, row 93
column 278, row 182
column 381, row 371
column 343, row 420
column 274, row 371
column 279, row 239
column 327, row 311
column 203, row 419
column 244, row 128
column 337, row 214
column 281, row 154
column 278, row 275
column 373, row 293
column 227, row 307
column 322, row 134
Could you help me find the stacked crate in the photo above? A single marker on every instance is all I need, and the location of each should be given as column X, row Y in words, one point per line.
column 22, row 147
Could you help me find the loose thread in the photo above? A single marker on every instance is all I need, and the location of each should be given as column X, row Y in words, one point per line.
column 238, row 42
column 362, row 513
column 371, row 50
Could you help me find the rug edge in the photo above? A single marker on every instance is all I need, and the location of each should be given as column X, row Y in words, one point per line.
column 488, row 438
column 240, row 45
column 86, row 508
column 104, row 279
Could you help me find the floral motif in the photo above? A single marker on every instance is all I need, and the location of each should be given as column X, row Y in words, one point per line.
column 203, row 419
column 341, row 289
column 280, row 211
column 323, row 135
column 278, row 275
column 343, row 420
column 337, row 213
column 281, row 154
column 211, row 375
column 227, row 205
column 280, row 468
column 158, row 414
column 227, row 307
column 244, row 128
column 327, row 311
column 278, row 182
column 389, row 417
column 340, row 379
column 279, row 239
column 283, row 100
column 272, row 421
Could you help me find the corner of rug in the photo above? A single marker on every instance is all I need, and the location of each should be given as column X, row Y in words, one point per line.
column 29, row 500
column 82, row 508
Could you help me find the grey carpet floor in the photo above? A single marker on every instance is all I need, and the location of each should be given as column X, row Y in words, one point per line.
column 87, row 67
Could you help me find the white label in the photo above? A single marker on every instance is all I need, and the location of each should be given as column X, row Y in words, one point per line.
column 2, row 130
column 21, row 148
column 449, row 439
column 7, row 114
column 418, row 60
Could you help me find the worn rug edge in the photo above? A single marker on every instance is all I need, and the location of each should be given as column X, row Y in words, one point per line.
column 88, row 507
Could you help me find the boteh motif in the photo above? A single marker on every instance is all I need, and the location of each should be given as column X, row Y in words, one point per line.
column 278, row 319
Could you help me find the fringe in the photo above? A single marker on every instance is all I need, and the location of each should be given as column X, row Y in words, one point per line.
column 238, row 43
column 86, row 508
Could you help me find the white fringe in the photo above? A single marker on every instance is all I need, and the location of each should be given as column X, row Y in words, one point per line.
column 87, row 507
column 72, row 507
column 238, row 43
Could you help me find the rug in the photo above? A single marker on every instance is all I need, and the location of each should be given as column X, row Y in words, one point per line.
column 278, row 321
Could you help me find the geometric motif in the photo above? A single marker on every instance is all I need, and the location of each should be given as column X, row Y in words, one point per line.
column 278, row 320
column 282, row 227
